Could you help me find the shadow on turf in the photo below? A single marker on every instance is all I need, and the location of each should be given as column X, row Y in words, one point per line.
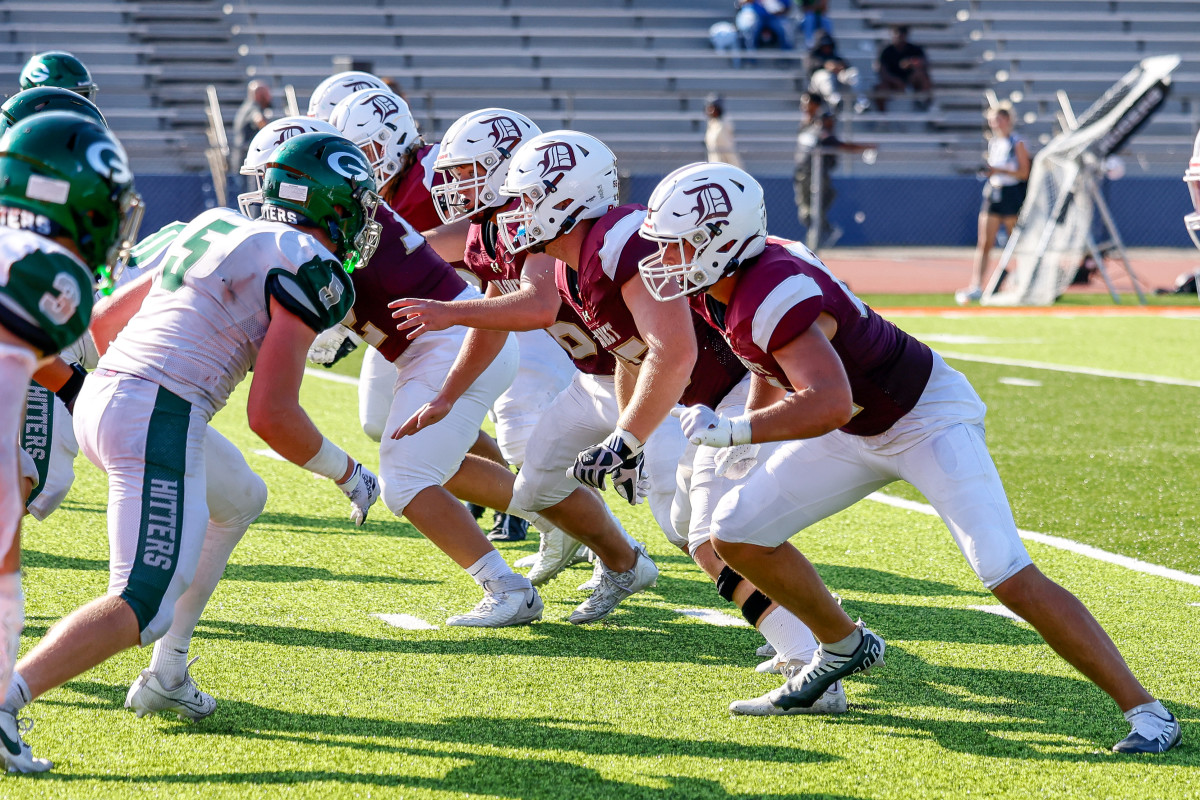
column 1061, row 712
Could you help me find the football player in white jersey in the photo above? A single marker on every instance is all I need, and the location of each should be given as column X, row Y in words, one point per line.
column 67, row 208
column 231, row 294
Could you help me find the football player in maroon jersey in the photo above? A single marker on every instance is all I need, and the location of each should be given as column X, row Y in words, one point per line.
column 859, row 404
column 565, row 183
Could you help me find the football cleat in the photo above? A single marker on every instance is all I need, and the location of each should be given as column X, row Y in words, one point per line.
column 1137, row 743
column 507, row 528
column 806, row 684
column 556, row 552
column 510, row 600
column 593, row 582
column 765, row 651
column 833, row 701
column 147, row 695
column 525, row 562
column 615, row 587
column 18, row 756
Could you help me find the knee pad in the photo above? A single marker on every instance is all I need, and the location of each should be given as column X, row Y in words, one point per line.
column 374, row 429
column 27, row 467
column 248, row 505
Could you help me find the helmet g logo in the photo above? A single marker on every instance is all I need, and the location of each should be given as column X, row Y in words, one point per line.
column 108, row 160
column 556, row 157
column 711, row 202
column 37, row 73
column 349, row 165
column 505, row 134
column 384, row 107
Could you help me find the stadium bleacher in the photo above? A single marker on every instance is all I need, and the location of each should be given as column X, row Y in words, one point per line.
column 632, row 71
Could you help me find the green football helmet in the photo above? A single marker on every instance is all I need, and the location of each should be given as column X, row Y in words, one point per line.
column 46, row 98
column 324, row 181
column 62, row 174
column 59, row 68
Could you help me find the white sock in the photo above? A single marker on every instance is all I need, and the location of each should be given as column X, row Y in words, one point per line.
column 18, row 695
column 12, row 621
column 1149, row 719
column 847, row 646
column 489, row 568
column 169, row 660
column 790, row 637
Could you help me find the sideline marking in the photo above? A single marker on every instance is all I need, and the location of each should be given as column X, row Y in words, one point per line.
column 712, row 617
column 1000, row 611
column 406, row 621
column 1018, row 382
column 956, row 338
column 1100, row 373
column 1060, row 543
column 326, row 375
column 269, row 453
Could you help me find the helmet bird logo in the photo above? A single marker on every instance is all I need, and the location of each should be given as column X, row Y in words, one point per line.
column 384, row 107
column 349, row 165
column 505, row 134
column 712, row 202
column 108, row 160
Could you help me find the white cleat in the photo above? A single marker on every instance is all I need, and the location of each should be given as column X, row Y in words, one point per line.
column 525, row 562
column 765, row 651
column 833, row 701
column 592, row 583
column 507, row 601
column 18, row 756
column 556, row 552
column 615, row 587
column 147, row 695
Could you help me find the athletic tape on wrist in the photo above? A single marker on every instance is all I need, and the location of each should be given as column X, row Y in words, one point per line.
column 739, row 429
column 635, row 444
column 330, row 461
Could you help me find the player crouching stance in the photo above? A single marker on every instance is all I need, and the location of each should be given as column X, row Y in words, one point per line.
column 859, row 404
column 232, row 294
column 68, row 206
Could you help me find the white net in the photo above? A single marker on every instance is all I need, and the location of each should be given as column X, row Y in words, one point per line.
column 1051, row 234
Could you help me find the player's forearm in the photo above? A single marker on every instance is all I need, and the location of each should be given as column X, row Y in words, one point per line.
column 510, row 312
column 660, row 383
column 479, row 349
column 799, row 415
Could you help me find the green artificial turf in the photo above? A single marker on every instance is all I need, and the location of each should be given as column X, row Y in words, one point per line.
column 318, row 698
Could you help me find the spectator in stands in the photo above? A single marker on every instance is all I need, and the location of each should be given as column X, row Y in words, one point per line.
column 254, row 113
column 1007, row 173
column 902, row 65
column 816, row 143
column 763, row 22
column 835, row 83
column 718, row 136
column 725, row 39
column 824, row 49
column 813, row 19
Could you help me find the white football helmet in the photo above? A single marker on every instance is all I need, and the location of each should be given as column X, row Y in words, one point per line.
column 561, row 177
column 1192, row 179
column 718, row 211
column 336, row 88
column 380, row 122
column 484, row 140
column 273, row 134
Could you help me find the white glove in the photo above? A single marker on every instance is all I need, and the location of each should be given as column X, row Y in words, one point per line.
column 363, row 490
column 702, row 425
column 618, row 457
column 332, row 346
column 736, row 462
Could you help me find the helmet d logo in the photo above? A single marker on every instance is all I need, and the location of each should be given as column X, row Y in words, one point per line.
column 108, row 160
column 505, row 134
column 556, row 157
column 711, row 202
column 357, row 85
column 349, row 165
column 289, row 132
column 384, row 107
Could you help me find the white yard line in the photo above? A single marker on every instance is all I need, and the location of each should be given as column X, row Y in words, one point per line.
column 1019, row 382
column 1102, row 373
column 718, row 618
column 1060, row 543
column 326, row 375
column 999, row 611
column 406, row 621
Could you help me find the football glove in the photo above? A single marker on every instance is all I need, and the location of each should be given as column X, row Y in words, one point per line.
column 701, row 425
column 618, row 458
column 736, row 462
column 363, row 490
column 332, row 346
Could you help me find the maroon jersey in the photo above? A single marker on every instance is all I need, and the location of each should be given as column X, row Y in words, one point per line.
column 608, row 259
column 413, row 199
column 488, row 259
column 403, row 266
column 780, row 294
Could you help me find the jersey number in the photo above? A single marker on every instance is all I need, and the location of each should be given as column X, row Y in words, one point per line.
column 193, row 249
column 572, row 339
column 60, row 306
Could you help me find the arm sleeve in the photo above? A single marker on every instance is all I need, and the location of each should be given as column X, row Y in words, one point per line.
column 319, row 292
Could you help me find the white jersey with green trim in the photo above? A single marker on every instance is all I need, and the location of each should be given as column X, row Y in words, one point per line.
column 200, row 327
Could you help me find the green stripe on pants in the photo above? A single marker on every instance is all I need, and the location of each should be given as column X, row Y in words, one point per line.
column 162, row 506
column 37, row 433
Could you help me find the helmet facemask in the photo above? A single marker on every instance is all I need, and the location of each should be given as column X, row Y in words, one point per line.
column 459, row 197
column 688, row 275
column 365, row 242
column 519, row 228
column 132, row 209
column 1192, row 221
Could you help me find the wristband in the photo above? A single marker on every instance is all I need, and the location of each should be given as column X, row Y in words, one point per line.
column 330, row 461
column 739, row 429
column 634, row 444
column 70, row 389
